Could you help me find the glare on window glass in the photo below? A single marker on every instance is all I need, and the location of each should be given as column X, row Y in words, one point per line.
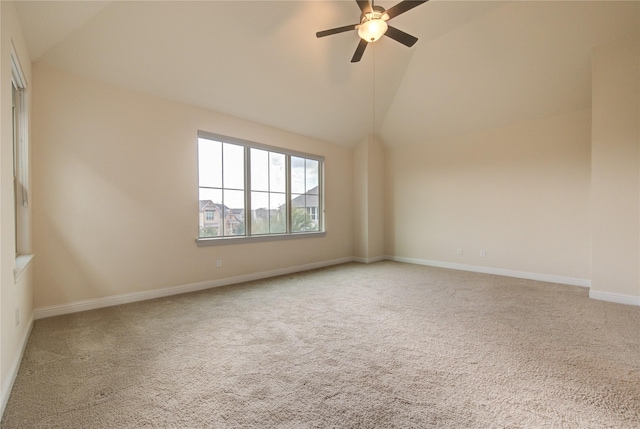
column 297, row 175
column 234, row 199
column 233, row 171
column 210, row 163
column 278, row 214
column 277, row 172
column 311, row 175
column 213, row 195
column 259, row 170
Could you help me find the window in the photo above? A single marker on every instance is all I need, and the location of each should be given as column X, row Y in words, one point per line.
column 252, row 190
column 20, row 197
column 20, row 166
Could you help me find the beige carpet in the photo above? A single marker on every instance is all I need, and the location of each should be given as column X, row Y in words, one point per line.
column 356, row 346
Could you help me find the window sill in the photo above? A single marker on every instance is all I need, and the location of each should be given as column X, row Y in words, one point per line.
column 22, row 262
column 205, row 242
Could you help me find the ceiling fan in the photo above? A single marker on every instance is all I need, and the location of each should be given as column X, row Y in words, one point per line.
column 373, row 25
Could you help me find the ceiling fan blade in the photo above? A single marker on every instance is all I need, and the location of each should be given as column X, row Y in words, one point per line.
column 403, row 6
column 335, row 30
column 359, row 51
column 401, row 36
column 364, row 5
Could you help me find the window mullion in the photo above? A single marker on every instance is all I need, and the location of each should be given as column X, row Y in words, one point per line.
column 269, row 199
column 321, row 196
column 287, row 169
column 247, row 191
column 16, row 130
column 222, row 213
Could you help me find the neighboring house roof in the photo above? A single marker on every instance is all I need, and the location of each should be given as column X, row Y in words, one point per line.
column 204, row 204
column 238, row 213
column 208, row 204
column 310, row 199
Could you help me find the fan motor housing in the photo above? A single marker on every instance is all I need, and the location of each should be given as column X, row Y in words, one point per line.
column 378, row 12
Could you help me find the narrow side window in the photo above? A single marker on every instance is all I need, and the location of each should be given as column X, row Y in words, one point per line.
column 20, row 156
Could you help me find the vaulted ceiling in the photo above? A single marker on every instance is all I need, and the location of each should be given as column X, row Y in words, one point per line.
column 477, row 64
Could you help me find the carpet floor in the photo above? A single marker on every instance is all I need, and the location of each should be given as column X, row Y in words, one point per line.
column 386, row 345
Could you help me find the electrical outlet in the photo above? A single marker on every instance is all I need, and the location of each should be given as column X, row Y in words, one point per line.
column 219, row 263
column 17, row 316
column 483, row 253
column 459, row 251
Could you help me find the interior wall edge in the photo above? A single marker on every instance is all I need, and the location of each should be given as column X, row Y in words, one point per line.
column 7, row 384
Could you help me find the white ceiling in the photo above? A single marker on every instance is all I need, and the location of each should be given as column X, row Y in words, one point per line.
column 477, row 64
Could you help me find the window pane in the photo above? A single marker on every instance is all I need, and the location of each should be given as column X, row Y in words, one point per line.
column 299, row 222
column 277, row 172
column 312, row 176
column 298, row 213
column 259, row 212
column 233, row 158
column 304, row 213
column 297, row 175
column 210, row 163
column 210, row 214
column 214, row 195
column 233, row 212
column 259, row 170
column 278, row 213
column 312, row 219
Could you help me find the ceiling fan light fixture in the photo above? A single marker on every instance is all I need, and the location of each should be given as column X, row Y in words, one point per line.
column 373, row 25
column 372, row 29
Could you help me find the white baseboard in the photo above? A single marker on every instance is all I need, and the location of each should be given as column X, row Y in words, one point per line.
column 92, row 304
column 15, row 367
column 497, row 271
column 618, row 298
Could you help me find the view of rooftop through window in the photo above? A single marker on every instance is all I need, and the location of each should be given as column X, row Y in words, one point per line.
column 281, row 191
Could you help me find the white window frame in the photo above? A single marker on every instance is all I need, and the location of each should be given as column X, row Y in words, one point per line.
column 20, row 128
column 248, row 145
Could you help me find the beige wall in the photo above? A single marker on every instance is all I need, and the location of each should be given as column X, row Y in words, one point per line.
column 616, row 170
column 520, row 193
column 116, row 198
column 14, row 296
column 368, row 201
